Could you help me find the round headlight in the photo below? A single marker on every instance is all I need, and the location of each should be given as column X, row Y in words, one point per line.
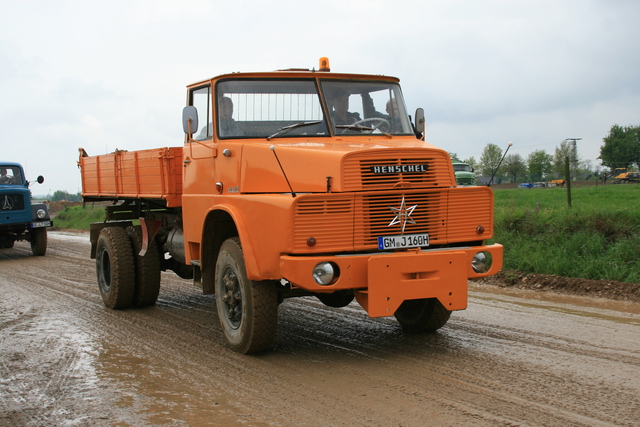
column 41, row 214
column 481, row 262
column 325, row 273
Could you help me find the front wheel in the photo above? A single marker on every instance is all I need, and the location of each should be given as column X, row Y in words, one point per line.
column 422, row 315
column 38, row 241
column 248, row 310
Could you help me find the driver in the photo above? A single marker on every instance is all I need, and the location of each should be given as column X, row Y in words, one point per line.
column 4, row 178
column 340, row 114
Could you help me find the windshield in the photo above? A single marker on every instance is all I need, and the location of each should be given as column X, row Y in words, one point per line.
column 268, row 108
column 278, row 108
column 461, row 168
column 370, row 107
column 10, row 175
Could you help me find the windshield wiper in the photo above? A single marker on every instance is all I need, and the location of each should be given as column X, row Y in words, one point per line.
column 293, row 126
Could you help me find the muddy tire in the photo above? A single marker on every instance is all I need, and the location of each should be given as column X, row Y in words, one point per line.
column 422, row 315
column 248, row 310
column 38, row 240
column 115, row 268
column 147, row 269
column 6, row 244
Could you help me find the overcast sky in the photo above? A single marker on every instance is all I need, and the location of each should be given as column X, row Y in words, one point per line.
column 112, row 74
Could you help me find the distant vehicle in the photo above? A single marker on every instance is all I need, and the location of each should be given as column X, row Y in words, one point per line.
column 559, row 182
column 19, row 218
column 627, row 177
column 464, row 174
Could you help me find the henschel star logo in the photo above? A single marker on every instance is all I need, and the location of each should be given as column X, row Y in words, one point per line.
column 403, row 215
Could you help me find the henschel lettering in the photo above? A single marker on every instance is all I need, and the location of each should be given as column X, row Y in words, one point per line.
column 399, row 169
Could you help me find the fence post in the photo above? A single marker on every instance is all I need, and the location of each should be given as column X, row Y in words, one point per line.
column 568, row 179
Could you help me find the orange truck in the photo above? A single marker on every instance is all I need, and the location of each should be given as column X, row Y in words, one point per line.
column 293, row 183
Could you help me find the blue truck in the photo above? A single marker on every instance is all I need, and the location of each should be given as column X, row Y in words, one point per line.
column 20, row 219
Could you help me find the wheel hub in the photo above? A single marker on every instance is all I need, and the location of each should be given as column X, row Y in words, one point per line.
column 232, row 297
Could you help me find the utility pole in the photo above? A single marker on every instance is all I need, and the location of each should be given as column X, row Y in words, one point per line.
column 574, row 153
column 498, row 167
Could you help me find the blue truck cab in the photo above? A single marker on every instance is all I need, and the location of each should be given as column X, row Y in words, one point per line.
column 20, row 219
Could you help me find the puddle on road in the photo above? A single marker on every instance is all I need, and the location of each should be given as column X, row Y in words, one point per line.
column 67, row 372
column 605, row 309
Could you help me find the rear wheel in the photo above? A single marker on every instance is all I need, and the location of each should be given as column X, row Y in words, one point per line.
column 38, row 241
column 115, row 268
column 147, row 269
column 422, row 315
column 248, row 310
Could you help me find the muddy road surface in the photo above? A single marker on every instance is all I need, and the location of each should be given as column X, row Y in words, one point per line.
column 512, row 358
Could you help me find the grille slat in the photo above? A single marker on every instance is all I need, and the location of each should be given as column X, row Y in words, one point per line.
column 421, row 168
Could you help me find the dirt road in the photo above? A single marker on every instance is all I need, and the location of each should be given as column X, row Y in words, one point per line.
column 512, row 358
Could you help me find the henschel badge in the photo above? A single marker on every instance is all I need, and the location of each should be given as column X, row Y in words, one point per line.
column 403, row 215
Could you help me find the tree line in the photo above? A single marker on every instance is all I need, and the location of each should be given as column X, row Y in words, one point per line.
column 620, row 150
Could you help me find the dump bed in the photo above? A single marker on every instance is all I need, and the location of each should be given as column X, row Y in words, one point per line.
column 149, row 174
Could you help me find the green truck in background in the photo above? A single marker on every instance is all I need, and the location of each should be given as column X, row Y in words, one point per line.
column 464, row 174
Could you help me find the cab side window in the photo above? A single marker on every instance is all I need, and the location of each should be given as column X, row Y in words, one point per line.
column 201, row 99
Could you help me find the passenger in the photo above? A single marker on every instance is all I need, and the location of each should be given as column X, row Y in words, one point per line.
column 392, row 120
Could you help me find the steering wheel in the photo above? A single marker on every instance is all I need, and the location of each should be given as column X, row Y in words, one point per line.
column 376, row 122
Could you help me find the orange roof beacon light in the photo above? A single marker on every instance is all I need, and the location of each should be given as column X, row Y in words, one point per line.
column 324, row 64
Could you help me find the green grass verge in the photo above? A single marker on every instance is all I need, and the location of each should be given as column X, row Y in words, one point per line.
column 79, row 218
column 598, row 238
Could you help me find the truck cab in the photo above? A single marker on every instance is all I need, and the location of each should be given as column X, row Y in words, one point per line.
column 464, row 174
column 20, row 219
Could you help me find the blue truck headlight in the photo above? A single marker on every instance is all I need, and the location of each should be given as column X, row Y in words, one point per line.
column 41, row 214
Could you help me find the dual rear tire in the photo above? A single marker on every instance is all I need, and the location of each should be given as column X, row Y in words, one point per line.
column 125, row 278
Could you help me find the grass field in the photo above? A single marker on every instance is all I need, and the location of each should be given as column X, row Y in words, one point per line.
column 598, row 238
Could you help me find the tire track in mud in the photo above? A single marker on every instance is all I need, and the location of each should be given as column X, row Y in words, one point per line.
column 502, row 362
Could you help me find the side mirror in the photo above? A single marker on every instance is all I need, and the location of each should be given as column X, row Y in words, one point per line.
column 420, row 120
column 190, row 119
column 40, row 179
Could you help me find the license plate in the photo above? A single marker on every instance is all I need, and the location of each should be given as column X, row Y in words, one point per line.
column 40, row 224
column 404, row 241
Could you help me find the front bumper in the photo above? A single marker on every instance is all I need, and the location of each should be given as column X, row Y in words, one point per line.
column 383, row 281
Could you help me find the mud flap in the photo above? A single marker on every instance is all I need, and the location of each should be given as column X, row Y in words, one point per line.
column 396, row 278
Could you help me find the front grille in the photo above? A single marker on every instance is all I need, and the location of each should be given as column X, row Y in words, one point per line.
column 353, row 222
column 11, row 202
column 329, row 220
column 418, row 169
column 375, row 213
